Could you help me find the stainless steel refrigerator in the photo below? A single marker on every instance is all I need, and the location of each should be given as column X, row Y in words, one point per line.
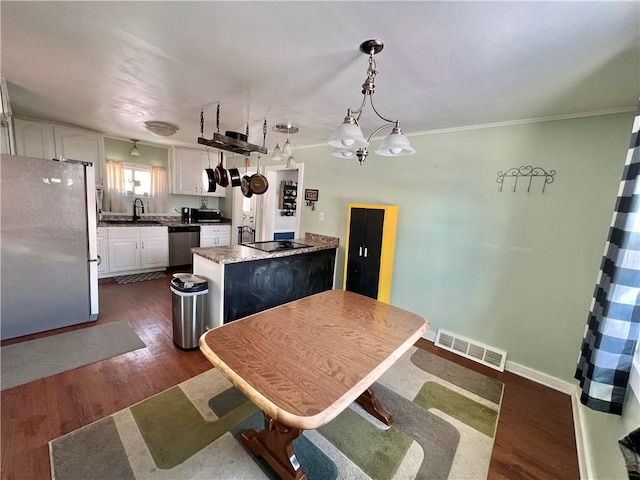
column 48, row 245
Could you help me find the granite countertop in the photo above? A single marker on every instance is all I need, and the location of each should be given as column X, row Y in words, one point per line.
column 158, row 221
column 240, row 253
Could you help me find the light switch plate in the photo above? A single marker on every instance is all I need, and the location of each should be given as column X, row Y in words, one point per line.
column 321, row 216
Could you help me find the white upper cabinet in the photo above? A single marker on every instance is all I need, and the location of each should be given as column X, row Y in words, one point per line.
column 44, row 140
column 187, row 165
column 77, row 144
column 34, row 139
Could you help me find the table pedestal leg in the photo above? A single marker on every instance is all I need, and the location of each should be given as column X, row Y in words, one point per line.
column 371, row 404
column 275, row 445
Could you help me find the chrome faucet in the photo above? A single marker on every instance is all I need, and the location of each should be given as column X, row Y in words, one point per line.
column 135, row 209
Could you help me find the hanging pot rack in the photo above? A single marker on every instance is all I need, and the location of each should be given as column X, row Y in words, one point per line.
column 224, row 142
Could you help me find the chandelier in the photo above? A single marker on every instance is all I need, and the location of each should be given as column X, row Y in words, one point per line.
column 287, row 150
column 348, row 139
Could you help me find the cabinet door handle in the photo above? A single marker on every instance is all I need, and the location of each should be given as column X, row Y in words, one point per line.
column 365, row 252
column 360, row 251
column 143, row 245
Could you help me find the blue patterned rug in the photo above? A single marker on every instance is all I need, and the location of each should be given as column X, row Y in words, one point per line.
column 445, row 418
column 138, row 277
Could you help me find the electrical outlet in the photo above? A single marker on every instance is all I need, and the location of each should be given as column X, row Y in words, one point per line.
column 321, row 215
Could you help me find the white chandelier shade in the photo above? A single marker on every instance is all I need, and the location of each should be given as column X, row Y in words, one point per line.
column 277, row 153
column 348, row 136
column 287, row 150
column 340, row 153
column 395, row 145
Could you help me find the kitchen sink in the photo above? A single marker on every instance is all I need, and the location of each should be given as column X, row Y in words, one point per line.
column 131, row 222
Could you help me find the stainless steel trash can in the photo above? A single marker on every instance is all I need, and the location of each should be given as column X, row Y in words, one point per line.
column 189, row 293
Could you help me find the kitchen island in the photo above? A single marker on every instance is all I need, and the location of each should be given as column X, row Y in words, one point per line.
column 244, row 280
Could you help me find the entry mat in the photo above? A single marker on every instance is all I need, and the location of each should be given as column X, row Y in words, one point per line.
column 138, row 277
column 445, row 419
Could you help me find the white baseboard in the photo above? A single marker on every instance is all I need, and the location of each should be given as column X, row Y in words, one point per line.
column 541, row 378
column 582, row 439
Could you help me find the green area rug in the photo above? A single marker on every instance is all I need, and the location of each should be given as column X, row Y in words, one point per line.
column 445, row 418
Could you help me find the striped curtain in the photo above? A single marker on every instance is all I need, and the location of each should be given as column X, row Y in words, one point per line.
column 613, row 325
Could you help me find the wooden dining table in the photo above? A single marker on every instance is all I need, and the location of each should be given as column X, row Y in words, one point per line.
column 304, row 362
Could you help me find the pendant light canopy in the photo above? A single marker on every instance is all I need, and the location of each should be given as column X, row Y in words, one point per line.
column 348, row 139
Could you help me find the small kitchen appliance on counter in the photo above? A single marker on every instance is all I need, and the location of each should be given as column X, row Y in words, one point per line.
column 186, row 214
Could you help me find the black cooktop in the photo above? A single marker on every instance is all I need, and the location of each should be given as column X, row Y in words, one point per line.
column 276, row 245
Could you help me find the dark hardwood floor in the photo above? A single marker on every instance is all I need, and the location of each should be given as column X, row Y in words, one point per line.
column 535, row 438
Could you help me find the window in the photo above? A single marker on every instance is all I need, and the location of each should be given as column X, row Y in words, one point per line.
column 137, row 180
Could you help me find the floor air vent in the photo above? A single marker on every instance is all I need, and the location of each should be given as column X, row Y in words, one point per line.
column 489, row 356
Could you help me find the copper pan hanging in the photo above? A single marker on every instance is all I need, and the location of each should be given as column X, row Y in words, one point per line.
column 244, row 181
column 258, row 182
column 221, row 175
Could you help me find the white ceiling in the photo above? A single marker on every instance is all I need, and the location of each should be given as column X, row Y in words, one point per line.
column 110, row 66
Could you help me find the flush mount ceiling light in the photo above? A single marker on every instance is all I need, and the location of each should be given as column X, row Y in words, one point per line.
column 287, row 150
column 161, row 129
column 348, row 139
column 134, row 150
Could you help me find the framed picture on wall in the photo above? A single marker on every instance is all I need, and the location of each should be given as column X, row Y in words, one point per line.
column 310, row 195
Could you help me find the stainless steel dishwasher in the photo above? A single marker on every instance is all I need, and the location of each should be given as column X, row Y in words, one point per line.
column 182, row 238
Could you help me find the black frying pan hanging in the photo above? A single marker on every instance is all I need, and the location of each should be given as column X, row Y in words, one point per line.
column 234, row 177
column 208, row 177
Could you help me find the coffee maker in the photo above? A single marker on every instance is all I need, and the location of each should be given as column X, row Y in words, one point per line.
column 186, row 215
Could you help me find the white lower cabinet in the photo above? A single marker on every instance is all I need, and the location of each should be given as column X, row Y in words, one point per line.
column 132, row 249
column 215, row 236
column 124, row 252
column 154, row 247
column 103, row 251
